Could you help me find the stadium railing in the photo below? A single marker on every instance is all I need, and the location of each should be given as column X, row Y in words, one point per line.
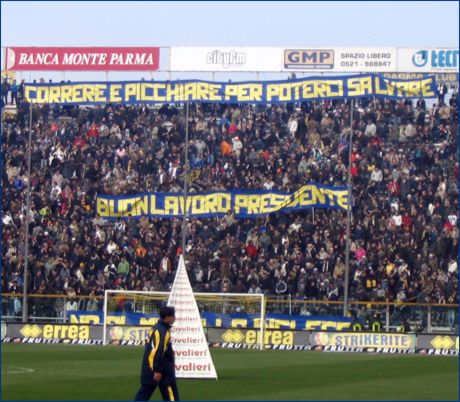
column 392, row 316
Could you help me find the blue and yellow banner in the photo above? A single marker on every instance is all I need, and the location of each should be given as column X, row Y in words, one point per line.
column 243, row 203
column 265, row 92
column 216, row 320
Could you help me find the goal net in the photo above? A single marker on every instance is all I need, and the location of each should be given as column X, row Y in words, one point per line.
column 128, row 315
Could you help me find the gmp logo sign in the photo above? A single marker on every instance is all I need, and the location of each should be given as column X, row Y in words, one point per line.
column 308, row 59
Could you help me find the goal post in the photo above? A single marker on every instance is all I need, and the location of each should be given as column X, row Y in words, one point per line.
column 129, row 308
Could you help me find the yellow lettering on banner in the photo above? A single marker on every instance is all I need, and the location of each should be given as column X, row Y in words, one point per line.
column 198, row 204
column 156, row 92
column 102, row 207
column 218, row 322
column 285, row 92
column 126, row 207
column 339, row 84
column 331, row 196
column 296, row 86
column 115, row 93
column 366, row 85
column 99, row 93
column 187, row 206
column 54, row 95
column 148, row 321
column 274, row 323
column 342, row 199
column 201, row 91
column 118, row 320
column 245, row 92
column 121, row 207
column 321, row 89
column 342, row 325
column 359, row 86
column 88, row 93
column 77, row 95
column 318, row 195
column 241, row 201
column 214, row 92
column 272, row 91
column 231, row 91
column 225, row 202
column 130, row 90
column 143, row 96
column 211, row 203
column 239, row 323
column 116, row 208
column 253, row 204
column 302, row 197
column 414, row 88
column 190, row 91
column 42, row 94
column 425, row 86
column 153, row 206
column 402, row 88
column 174, row 92
column 308, row 90
column 312, row 324
column 256, row 92
column 378, row 89
column 66, row 94
column 171, row 205
column 84, row 319
column 30, row 93
column 265, row 201
column 278, row 200
column 142, row 205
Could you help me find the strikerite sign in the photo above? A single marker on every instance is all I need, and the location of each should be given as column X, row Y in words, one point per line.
column 82, row 58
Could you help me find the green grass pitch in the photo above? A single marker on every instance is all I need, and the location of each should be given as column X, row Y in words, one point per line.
column 71, row 372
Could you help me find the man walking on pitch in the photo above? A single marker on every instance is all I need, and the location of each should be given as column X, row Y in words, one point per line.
column 158, row 362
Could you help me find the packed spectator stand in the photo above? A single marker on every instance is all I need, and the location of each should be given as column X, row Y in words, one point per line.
column 404, row 170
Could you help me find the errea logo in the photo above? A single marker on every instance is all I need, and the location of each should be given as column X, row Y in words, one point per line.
column 31, row 331
column 443, row 342
column 231, row 335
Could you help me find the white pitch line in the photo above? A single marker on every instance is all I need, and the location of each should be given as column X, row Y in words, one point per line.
column 20, row 370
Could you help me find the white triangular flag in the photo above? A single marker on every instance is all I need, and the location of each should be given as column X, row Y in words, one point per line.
column 191, row 350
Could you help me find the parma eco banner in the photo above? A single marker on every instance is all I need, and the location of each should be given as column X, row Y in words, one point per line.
column 254, row 92
column 243, row 203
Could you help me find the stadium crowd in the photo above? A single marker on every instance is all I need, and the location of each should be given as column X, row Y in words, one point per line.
column 404, row 219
